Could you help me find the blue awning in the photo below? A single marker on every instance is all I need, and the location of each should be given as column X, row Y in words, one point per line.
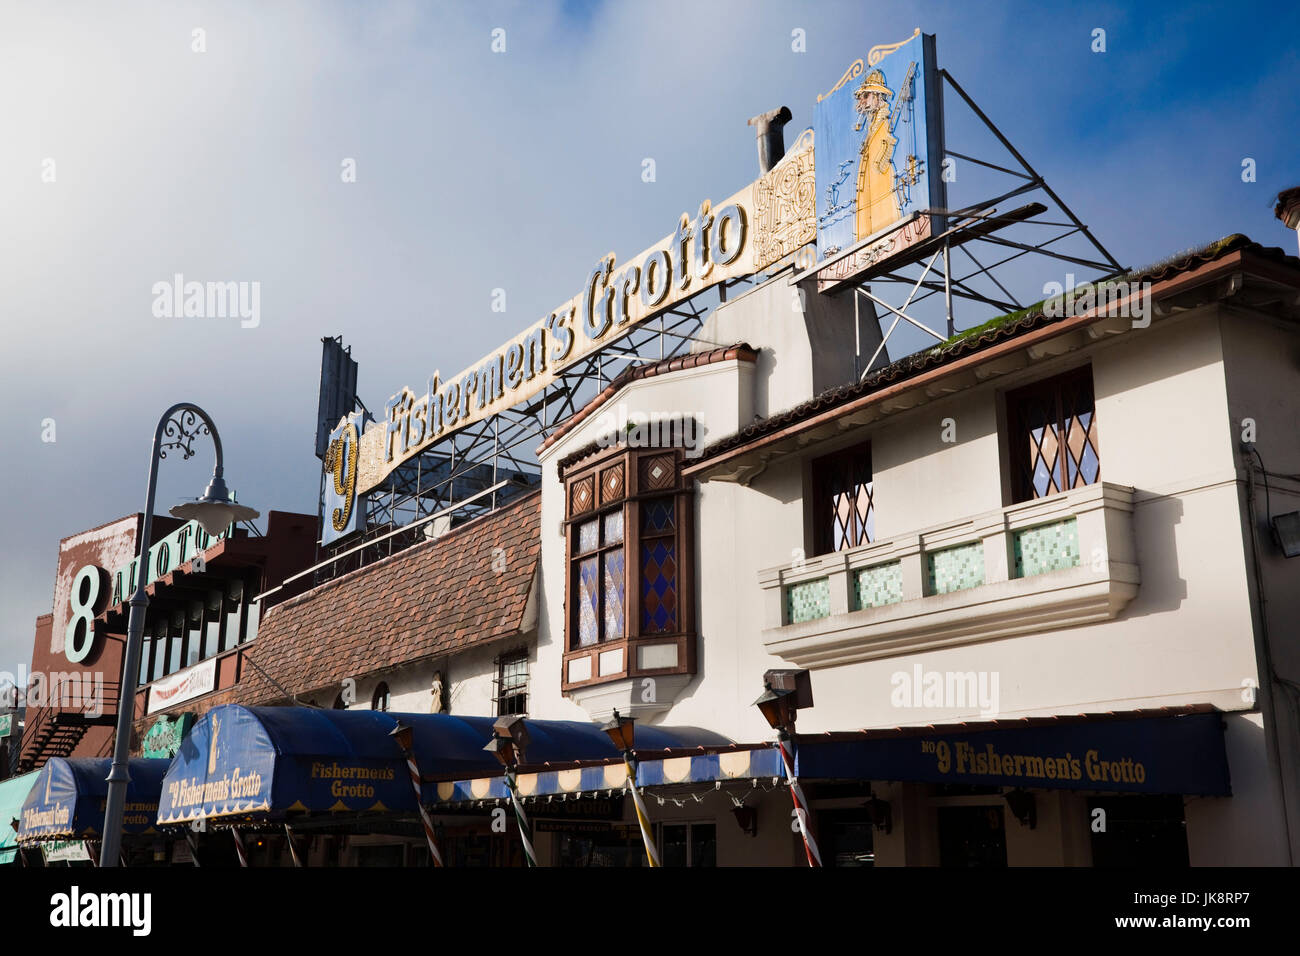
column 13, row 793
column 67, row 799
column 1122, row 753
column 256, row 763
column 714, row 765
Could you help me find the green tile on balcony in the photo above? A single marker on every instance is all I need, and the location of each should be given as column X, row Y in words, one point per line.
column 955, row 569
column 879, row 585
column 1049, row 547
column 808, row 600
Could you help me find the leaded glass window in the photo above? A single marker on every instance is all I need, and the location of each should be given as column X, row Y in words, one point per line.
column 1053, row 436
column 844, row 509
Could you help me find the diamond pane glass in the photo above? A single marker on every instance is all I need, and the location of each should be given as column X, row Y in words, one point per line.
column 588, row 536
column 842, row 500
column 658, row 586
column 657, row 516
column 614, row 586
column 613, row 528
column 588, row 595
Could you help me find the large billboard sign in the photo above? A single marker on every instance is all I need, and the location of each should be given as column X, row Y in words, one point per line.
column 878, row 135
column 879, row 145
column 745, row 233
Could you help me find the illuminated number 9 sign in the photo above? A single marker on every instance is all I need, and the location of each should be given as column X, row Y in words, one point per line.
column 79, row 637
column 341, row 460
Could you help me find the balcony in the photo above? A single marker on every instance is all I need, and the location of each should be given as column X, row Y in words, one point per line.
column 1061, row 561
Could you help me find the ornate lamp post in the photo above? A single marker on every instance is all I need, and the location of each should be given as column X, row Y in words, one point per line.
column 784, row 692
column 622, row 734
column 177, row 429
column 509, row 741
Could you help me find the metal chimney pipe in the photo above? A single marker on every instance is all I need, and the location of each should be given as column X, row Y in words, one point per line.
column 770, row 127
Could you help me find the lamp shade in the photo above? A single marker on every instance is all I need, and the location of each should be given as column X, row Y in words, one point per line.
column 216, row 510
column 621, row 731
column 775, row 706
column 501, row 748
column 404, row 736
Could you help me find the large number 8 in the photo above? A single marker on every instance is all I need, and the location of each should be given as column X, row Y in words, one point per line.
column 79, row 638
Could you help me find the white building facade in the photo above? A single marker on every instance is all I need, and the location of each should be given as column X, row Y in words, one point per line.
column 1050, row 519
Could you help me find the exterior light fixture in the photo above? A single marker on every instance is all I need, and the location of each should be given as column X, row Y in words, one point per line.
column 216, row 510
column 177, row 429
column 1023, row 807
column 1286, row 532
column 508, row 744
column 746, row 818
column 621, row 732
column 404, row 736
column 880, row 812
column 785, row 692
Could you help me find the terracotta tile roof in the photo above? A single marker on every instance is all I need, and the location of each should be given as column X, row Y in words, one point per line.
column 428, row 601
column 991, row 333
column 635, row 373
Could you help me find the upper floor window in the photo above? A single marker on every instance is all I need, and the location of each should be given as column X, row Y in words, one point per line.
column 1052, row 427
column 512, row 683
column 381, row 699
column 844, row 513
column 630, row 550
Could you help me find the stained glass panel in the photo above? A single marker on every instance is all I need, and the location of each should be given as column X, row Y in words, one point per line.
column 588, row 536
column 657, row 516
column 588, row 595
column 614, row 528
column 658, row 586
column 614, row 587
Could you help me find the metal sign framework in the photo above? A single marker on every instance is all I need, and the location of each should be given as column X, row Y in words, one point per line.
column 485, row 465
column 488, row 464
column 965, row 229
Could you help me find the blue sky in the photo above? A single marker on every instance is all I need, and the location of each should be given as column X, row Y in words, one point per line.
column 478, row 171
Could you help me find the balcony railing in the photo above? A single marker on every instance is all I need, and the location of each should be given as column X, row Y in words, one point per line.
column 1060, row 561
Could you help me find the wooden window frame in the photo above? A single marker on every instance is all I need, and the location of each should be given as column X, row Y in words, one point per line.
column 821, row 468
column 637, row 489
column 1019, row 454
column 500, row 696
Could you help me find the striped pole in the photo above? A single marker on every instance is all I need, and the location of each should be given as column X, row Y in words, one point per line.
column 419, row 805
column 641, row 816
column 800, row 804
column 239, row 847
column 293, row 849
column 521, row 818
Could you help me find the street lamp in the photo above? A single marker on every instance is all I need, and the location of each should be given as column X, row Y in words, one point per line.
column 177, row 429
column 404, row 736
column 784, row 693
column 622, row 734
column 508, row 744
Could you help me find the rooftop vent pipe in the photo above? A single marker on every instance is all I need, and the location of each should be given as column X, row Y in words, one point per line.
column 770, row 127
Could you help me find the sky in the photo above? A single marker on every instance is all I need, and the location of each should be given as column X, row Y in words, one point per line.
column 130, row 156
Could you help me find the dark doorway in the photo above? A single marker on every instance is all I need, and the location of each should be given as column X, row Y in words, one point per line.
column 972, row 837
column 1140, row 831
